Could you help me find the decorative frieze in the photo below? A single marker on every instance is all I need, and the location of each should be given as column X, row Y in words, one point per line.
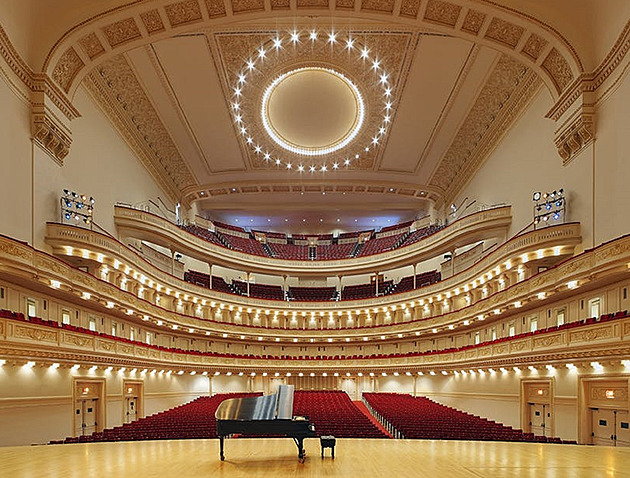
column 473, row 21
column 183, row 13
column 378, row 5
column 410, row 8
column 442, row 12
column 216, row 8
column 92, row 45
column 240, row 6
column 534, row 46
column 558, row 69
column 121, row 32
column 152, row 21
column 504, row 32
column 67, row 68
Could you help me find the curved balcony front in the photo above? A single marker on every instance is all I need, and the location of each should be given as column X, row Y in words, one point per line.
column 71, row 243
column 480, row 226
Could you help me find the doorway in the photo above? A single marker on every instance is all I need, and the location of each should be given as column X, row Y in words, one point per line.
column 610, row 427
column 88, row 406
column 537, row 407
column 133, row 399
column 540, row 419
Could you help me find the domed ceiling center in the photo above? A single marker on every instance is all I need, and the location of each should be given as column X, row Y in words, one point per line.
column 312, row 111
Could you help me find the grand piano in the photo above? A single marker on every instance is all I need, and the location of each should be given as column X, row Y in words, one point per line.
column 266, row 415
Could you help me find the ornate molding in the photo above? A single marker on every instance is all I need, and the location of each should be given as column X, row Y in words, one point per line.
column 32, row 342
column 506, row 94
column 407, row 190
column 488, row 23
column 50, row 135
column 396, row 51
column 575, row 136
column 574, row 110
column 51, row 110
column 117, row 90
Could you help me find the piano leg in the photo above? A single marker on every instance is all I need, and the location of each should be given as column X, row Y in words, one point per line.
column 221, row 438
column 300, row 444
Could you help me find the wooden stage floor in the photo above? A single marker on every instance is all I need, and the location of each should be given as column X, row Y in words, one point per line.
column 277, row 458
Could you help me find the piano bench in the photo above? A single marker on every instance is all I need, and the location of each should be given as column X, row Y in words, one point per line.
column 328, row 441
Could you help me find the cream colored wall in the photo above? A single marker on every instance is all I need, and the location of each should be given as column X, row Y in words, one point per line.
column 36, row 403
column 526, row 161
column 612, row 165
column 15, row 189
column 225, row 384
column 99, row 164
column 596, row 180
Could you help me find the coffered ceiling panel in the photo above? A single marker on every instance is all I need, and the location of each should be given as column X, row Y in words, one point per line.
column 431, row 84
column 479, row 65
column 189, row 69
column 145, row 64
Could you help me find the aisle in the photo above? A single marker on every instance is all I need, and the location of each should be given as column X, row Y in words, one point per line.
column 361, row 406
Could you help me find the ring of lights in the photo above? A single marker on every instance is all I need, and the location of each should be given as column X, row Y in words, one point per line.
column 303, row 150
column 282, row 55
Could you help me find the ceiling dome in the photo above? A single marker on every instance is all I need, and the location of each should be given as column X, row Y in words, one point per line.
column 312, row 111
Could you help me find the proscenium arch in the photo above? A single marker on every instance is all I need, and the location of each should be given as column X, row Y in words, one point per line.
column 86, row 45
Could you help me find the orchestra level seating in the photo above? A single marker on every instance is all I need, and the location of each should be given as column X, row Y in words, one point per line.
column 420, row 417
column 192, row 420
column 332, row 412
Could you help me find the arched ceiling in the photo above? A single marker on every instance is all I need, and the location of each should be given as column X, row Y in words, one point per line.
column 442, row 81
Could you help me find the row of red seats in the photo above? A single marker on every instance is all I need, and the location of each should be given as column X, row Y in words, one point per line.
column 326, row 252
column 364, row 291
column 333, row 413
column 380, row 244
column 225, row 236
column 191, row 420
column 420, row 417
column 311, row 294
column 292, row 252
column 420, row 234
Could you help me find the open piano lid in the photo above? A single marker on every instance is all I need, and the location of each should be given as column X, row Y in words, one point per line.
column 277, row 406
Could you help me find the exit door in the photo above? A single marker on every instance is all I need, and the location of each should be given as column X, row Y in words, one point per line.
column 540, row 419
column 131, row 409
column 85, row 416
column 611, row 427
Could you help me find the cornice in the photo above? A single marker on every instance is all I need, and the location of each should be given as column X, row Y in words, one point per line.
column 606, row 341
column 486, row 22
column 389, row 189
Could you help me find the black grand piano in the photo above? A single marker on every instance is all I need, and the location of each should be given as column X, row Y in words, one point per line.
column 266, row 415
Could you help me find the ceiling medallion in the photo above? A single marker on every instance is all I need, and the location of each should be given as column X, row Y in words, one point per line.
column 296, row 110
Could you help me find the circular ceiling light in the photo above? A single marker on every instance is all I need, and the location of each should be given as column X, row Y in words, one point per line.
column 312, row 111
column 265, row 134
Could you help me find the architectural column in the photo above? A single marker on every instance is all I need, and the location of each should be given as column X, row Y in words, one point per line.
column 249, row 274
column 210, row 267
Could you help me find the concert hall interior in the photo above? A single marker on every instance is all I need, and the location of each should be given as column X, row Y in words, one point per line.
column 414, row 213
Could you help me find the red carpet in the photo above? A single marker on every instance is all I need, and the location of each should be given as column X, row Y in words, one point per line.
column 361, row 406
